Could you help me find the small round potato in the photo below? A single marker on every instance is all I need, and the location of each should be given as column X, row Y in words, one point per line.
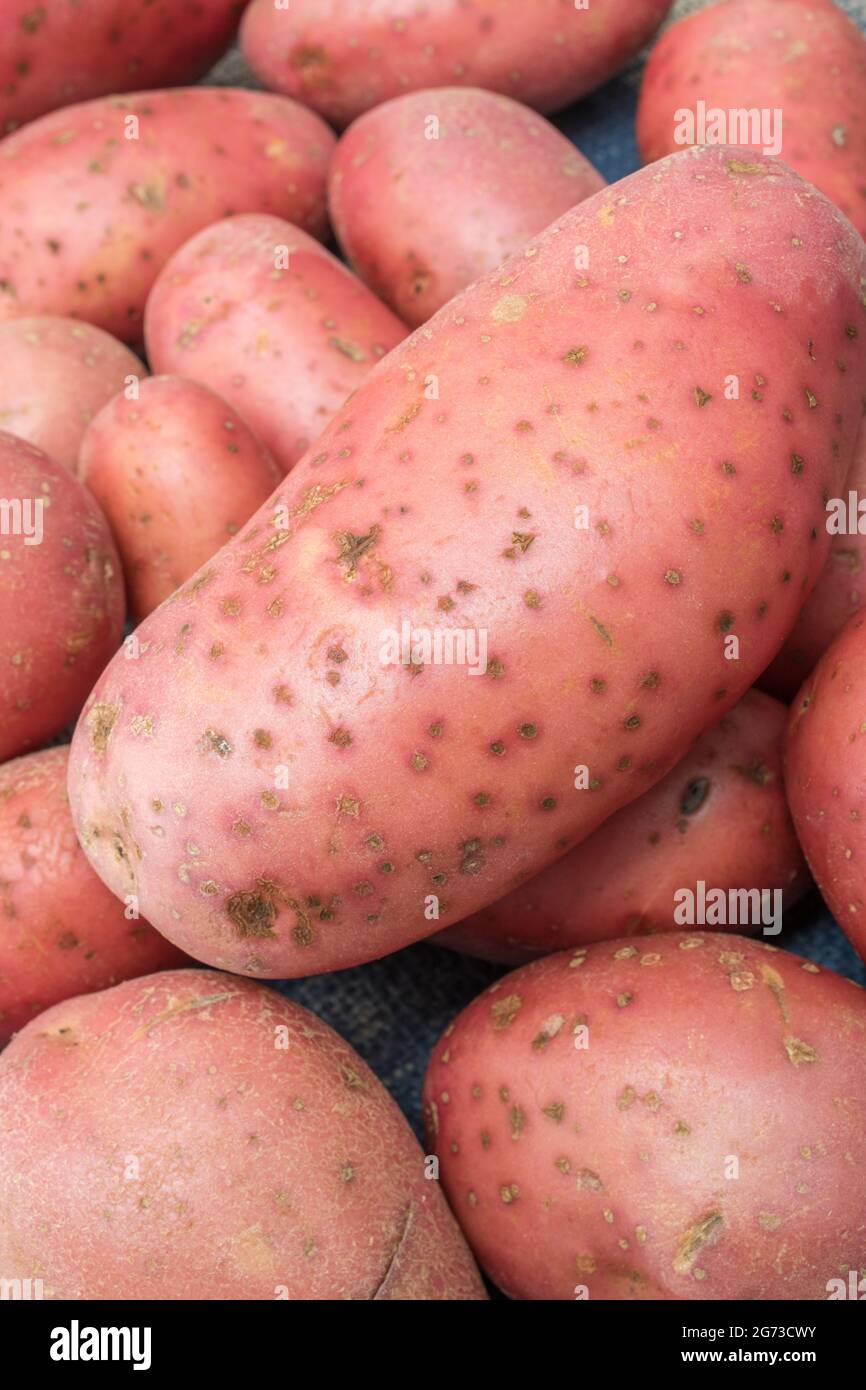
column 205, row 1138
column 61, row 932
column 432, row 190
column 177, row 473
column 682, row 1120
column 61, row 596
column 57, row 373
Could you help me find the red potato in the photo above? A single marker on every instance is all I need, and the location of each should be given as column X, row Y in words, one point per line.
column 264, row 315
column 719, row 817
column 344, row 56
column 839, row 591
column 826, row 775
column 680, row 1123
column 803, row 58
column 61, row 932
column 96, row 198
column 57, row 373
column 61, row 596
column 208, row 1139
column 432, row 190
column 62, row 51
column 176, row 473
column 340, row 787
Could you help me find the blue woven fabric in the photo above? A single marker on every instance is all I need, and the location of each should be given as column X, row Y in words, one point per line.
column 393, row 1010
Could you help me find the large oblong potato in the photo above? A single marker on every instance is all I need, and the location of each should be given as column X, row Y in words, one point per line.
column 825, row 760
column 61, row 932
column 431, row 190
column 95, row 198
column 56, row 374
column 682, row 1120
column 343, row 56
column 262, row 314
column 719, row 817
column 61, row 596
column 553, row 474
column 208, row 1139
column 177, row 473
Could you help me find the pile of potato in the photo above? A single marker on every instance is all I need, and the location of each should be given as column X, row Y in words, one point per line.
column 501, row 589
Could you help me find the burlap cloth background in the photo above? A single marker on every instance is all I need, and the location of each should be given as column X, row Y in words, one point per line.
column 393, row 1010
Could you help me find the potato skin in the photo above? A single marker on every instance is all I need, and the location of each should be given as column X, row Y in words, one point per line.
column 286, row 346
column 209, row 1139
column 609, row 1168
column 720, row 815
column 836, row 598
column 826, row 777
column 57, row 373
column 61, row 932
column 344, row 56
column 806, row 58
column 59, row 52
column 177, row 473
column 421, row 218
column 90, row 214
column 61, row 600
column 331, row 796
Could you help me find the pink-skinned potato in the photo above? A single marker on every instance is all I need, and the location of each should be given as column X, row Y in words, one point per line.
column 680, row 1122
column 61, row 596
column 825, row 759
column 839, row 592
column 96, row 198
column 261, row 313
column 209, row 1139
column 343, row 57
column 57, row 374
column 719, row 817
column 57, row 52
column 177, row 473
column 348, row 783
column 61, row 932
column 805, row 59
column 430, row 191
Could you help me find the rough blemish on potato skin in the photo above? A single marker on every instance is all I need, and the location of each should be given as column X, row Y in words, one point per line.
column 253, row 913
column 705, row 1232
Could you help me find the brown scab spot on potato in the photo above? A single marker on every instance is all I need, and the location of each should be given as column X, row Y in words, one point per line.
column 101, row 719
column 799, row 1051
column 217, row 742
column 586, row 1178
column 253, row 913
column 353, row 548
column 307, row 57
column 516, row 1121
column 504, row 1011
column 703, row 1234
